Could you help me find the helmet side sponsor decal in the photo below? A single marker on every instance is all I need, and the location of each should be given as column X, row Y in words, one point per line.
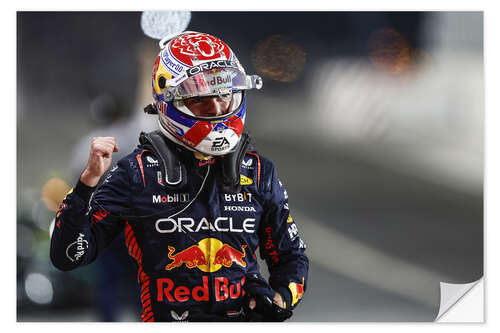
column 77, row 249
column 297, row 290
column 208, row 255
column 220, row 143
column 170, row 62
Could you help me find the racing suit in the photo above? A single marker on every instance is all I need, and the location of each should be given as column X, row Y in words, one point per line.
column 193, row 247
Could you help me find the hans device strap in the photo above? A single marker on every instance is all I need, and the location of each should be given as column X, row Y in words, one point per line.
column 168, row 155
column 228, row 166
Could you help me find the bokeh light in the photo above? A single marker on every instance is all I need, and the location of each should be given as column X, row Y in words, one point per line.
column 158, row 24
column 38, row 288
column 279, row 58
column 390, row 51
column 53, row 193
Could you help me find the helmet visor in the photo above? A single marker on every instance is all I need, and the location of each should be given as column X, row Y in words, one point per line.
column 213, row 82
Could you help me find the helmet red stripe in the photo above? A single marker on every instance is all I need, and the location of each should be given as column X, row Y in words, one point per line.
column 236, row 124
column 197, row 133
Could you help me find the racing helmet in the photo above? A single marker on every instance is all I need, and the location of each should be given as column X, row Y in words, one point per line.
column 193, row 65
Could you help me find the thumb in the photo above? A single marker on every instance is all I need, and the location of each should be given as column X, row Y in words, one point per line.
column 115, row 148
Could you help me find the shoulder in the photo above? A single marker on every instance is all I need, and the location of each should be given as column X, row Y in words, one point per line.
column 133, row 164
column 261, row 168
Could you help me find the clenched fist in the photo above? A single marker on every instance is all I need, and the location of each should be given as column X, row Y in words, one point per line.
column 101, row 149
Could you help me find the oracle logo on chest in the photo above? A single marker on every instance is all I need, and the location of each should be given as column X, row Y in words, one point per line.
column 188, row 224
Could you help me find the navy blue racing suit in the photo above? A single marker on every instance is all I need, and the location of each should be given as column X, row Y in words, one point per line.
column 193, row 247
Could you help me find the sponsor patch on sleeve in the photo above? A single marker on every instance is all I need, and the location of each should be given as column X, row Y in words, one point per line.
column 297, row 290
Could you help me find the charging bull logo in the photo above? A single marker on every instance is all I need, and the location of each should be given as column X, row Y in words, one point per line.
column 226, row 255
column 297, row 290
column 192, row 257
column 208, row 255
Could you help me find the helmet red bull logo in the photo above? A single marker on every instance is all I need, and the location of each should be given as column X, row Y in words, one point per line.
column 208, row 255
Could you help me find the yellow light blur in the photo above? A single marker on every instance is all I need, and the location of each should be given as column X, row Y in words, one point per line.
column 53, row 193
column 390, row 51
column 279, row 58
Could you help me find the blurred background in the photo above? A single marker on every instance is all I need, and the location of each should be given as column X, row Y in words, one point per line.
column 375, row 121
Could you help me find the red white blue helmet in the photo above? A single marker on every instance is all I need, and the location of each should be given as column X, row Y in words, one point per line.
column 194, row 64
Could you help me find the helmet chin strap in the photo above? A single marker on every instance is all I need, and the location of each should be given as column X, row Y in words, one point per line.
column 174, row 170
column 228, row 166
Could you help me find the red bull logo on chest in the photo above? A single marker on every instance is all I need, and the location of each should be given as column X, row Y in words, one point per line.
column 208, row 255
column 222, row 289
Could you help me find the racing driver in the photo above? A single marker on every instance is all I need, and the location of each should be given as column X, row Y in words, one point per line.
column 195, row 200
